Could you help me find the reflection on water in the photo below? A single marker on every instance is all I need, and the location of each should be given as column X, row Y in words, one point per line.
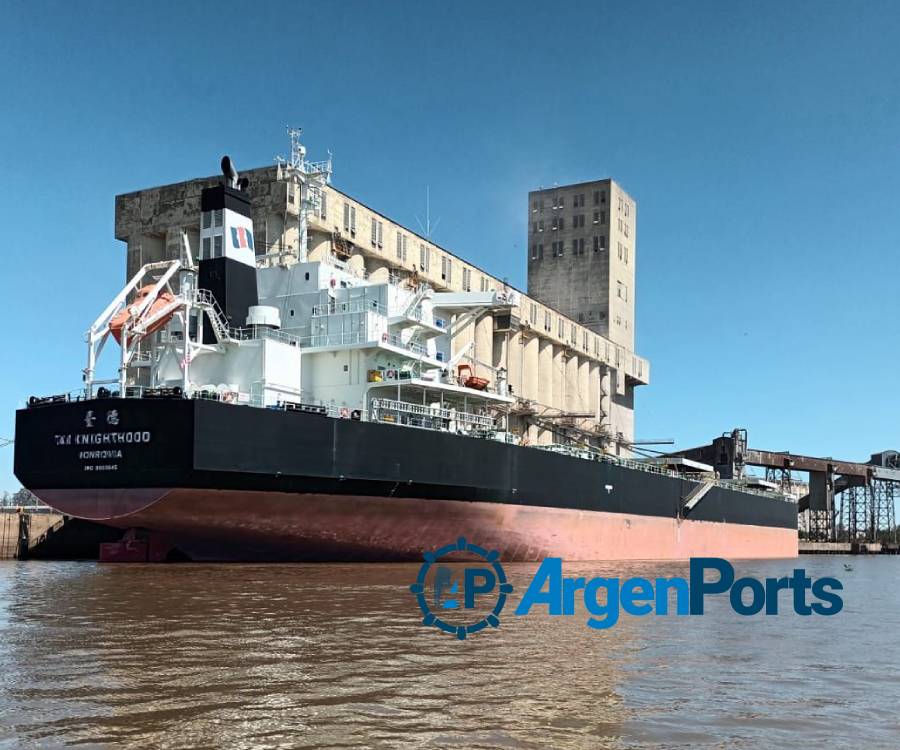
column 299, row 656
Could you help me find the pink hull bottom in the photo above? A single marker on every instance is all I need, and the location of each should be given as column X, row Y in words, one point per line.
column 239, row 525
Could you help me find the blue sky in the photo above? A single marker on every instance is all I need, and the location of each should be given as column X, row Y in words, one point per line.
column 760, row 140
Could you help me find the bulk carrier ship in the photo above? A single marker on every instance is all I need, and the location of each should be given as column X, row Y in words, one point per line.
column 314, row 408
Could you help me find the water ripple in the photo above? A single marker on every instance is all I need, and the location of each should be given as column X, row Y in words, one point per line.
column 303, row 656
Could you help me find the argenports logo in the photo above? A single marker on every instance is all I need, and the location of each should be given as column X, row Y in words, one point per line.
column 439, row 582
column 464, row 597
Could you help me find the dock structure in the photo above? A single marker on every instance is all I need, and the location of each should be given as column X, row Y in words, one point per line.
column 570, row 365
column 41, row 533
column 845, row 507
column 22, row 527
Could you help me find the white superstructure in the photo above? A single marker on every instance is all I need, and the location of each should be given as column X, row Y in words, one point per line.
column 322, row 336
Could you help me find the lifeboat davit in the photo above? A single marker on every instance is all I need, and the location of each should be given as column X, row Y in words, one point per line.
column 163, row 299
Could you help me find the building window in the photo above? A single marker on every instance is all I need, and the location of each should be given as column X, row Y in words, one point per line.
column 447, row 269
column 401, row 247
column 534, row 227
column 217, row 217
column 534, row 252
column 374, row 231
column 620, row 250
column 323, row 205
column 596, row 217
column 540, row 251
column 205, row 252
column 622, row 291
column 573, row 333
column 484, row 283
column 541, row 204
column 424, row 258
column 534, row 207
column 207, row 219
column 532, row 316
column 596, row 197
column 578, row 246
column 561, row 328
column 547, row 321
column 217, row 246
column 350, row 219
column 561, row 222
column 467, row 279
column 541, row 225
column 626, row 228
column 584, row 340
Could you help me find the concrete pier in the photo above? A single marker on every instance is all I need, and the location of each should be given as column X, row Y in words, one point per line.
column 22, row 527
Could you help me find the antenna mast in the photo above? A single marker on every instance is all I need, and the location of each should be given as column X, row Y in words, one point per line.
column 427, row 229
column 311, row 177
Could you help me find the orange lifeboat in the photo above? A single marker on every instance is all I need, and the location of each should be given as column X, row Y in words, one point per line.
column 465, row 376
column 162, row 300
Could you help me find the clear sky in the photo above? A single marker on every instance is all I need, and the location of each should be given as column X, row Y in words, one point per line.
column 760, row 140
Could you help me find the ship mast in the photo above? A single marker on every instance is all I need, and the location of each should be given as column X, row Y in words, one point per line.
column 311, row 177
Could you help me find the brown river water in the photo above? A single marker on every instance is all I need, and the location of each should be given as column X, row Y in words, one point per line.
column 334, row 656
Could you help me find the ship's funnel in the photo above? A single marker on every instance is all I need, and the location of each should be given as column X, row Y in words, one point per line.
column 227, row 249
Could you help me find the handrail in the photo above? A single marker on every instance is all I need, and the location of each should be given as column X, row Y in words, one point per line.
column 357, row 305
column 224, row 332
column 435, row 412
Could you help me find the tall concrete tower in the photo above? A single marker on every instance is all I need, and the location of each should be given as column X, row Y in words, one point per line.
column 581, row 255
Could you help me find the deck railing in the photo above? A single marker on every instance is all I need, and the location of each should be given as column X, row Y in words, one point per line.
column 418, row 416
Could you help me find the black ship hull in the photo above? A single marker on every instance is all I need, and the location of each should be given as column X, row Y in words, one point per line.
column 232, row 482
